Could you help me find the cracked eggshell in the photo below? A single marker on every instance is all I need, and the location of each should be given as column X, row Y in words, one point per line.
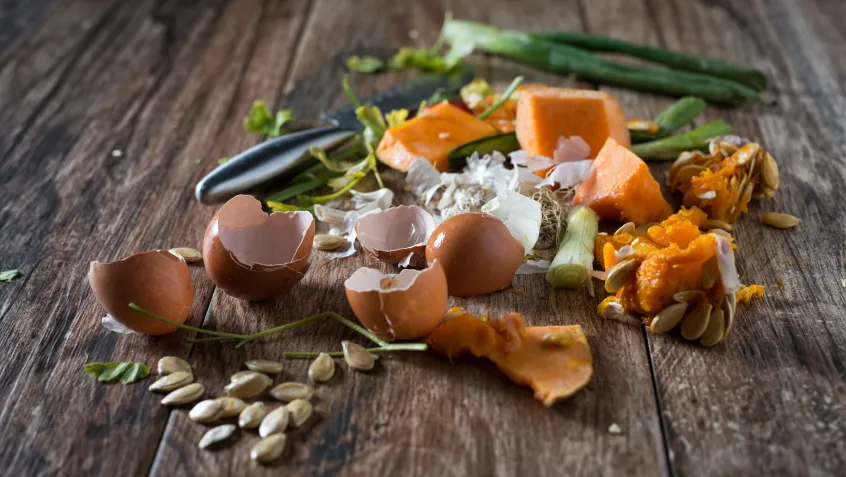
column 477, row 251
column 391, row 235
column 398, row 307
column 158, row 281
column 254, row 256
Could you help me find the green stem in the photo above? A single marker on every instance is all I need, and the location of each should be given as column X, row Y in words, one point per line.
column 380, row 349
column 360, row 329
column 186, row 327
column 674, row 117
column 207, row 340
column 349, row 92
column 670, row 147
column 302, row 187
column 503, row 98
column 281, row 328
column 326, row 198
column 572, row 264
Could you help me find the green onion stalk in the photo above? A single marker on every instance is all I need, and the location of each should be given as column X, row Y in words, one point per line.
column 573, row 263
column 670, row 147
column 671, row 119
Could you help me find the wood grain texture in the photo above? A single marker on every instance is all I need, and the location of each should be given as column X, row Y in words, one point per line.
column 167, row 83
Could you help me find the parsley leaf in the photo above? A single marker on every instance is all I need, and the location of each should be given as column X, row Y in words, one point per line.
column 6, row 276
column 113, row 371
column 365, row 64
column 260, row 121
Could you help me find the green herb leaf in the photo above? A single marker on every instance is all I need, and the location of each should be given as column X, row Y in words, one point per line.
column 476, row 91
column 424, row 59
column 6, row 276
column 223, row 160
column 396, row 117
column 260, row 121
column 365, row 64
column 128, row 372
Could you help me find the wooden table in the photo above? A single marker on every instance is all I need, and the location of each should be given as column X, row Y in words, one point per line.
column 166, row 83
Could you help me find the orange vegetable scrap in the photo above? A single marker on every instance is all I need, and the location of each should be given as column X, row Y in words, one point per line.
column 503, row 118
column 554, row 368
column 748, row 293
column 725, row 181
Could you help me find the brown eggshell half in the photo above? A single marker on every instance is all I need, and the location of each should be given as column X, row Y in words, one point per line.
column 478, row 253
column 158, row 281
column 254, row 256
column 398, row 307
column 392, row 234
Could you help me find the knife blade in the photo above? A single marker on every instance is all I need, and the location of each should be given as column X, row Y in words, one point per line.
column 285, row 156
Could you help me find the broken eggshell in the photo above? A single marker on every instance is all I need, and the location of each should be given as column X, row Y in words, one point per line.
column 405, row 306
column 158, row 281
column 397, row 235
column 254, row 256
column 477, row 251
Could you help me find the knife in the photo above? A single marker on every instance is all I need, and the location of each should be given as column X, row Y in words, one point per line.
column 285, row 156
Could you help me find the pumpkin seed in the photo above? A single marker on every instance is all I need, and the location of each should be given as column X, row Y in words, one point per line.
column 216, row 434
column 779, row 220
column 188, row 254
column 189, row 393
column 726, row 149
column 268, row 449
column 689, row 296
column 685, row 159
column 621, row 274
column 627, row 228
column 264, row 366
column 696, row 321
column 769, row 172
column 357, row 357
column 322, row 368
column 561, row 338
column 252, row 415
column 232, row 406
column 729, row 306
column 721, row 232
column 172, row 381
column 668, row 318
column 710, row 272
column 172, row 364
column 275, row 422
column 287, row 392
column 206, row 411
column 242, row 374
column 747, row 152
column 328, row 242
column 714, row 332
column 247, row 386
column 716, row 224
column 686, row 173
column 300, row 410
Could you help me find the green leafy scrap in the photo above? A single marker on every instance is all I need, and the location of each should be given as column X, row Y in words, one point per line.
column 365, row 64
column 114, row 371
column 476, row 91
column 6, row 276
column 260, row 121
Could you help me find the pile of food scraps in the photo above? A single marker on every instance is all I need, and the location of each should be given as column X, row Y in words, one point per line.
column 509, row 181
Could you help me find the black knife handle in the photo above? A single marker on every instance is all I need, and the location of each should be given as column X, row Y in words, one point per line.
column 275, row 159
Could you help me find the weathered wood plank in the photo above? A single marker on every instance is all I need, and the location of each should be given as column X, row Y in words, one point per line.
column 417, row 414
column 148, row 79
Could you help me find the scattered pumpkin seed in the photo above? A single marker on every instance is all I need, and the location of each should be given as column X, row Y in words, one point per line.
column 729, row 306
column 206, row 411
column 268, row 449
column 300, row 410
column 172, row 364
column 275, row 422
column 172, row 381
column 621, row 274
column 710, row 272
column 561, row 338
column 322, row 368
column 328, row 242
column 714, row 332
column 769, row 172
column 689, row 296
column 247, row 386
column 695, row 322
column 188, row 254
column 779, row 220
column 241, row 374
column 265, row 366
column 685, row 159
column 627, row 228
column 686, row 173
column 287, row 392
column 716, row 224
column 357, row 357
column 184, row 395
column 726, row 148
column 216, row 434
column 747, row 152
column 668, row 318
column 252, row 415
column 232, row 406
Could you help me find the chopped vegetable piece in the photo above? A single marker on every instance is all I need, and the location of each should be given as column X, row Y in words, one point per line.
column 544, row 114
column 573, row 263
column 503, row 143
column 6, row 276
column 670, row 147
column 747, row 293
column 365, row 64
column 260, row 121
column 674, row 117
column 553, row 371
column 621, row 188
column 431, row 135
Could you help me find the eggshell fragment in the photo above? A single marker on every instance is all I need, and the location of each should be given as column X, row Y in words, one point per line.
column 393, row 234
column 254, row 256
column 398, row 307
column 158, row 281
column 478, row 253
